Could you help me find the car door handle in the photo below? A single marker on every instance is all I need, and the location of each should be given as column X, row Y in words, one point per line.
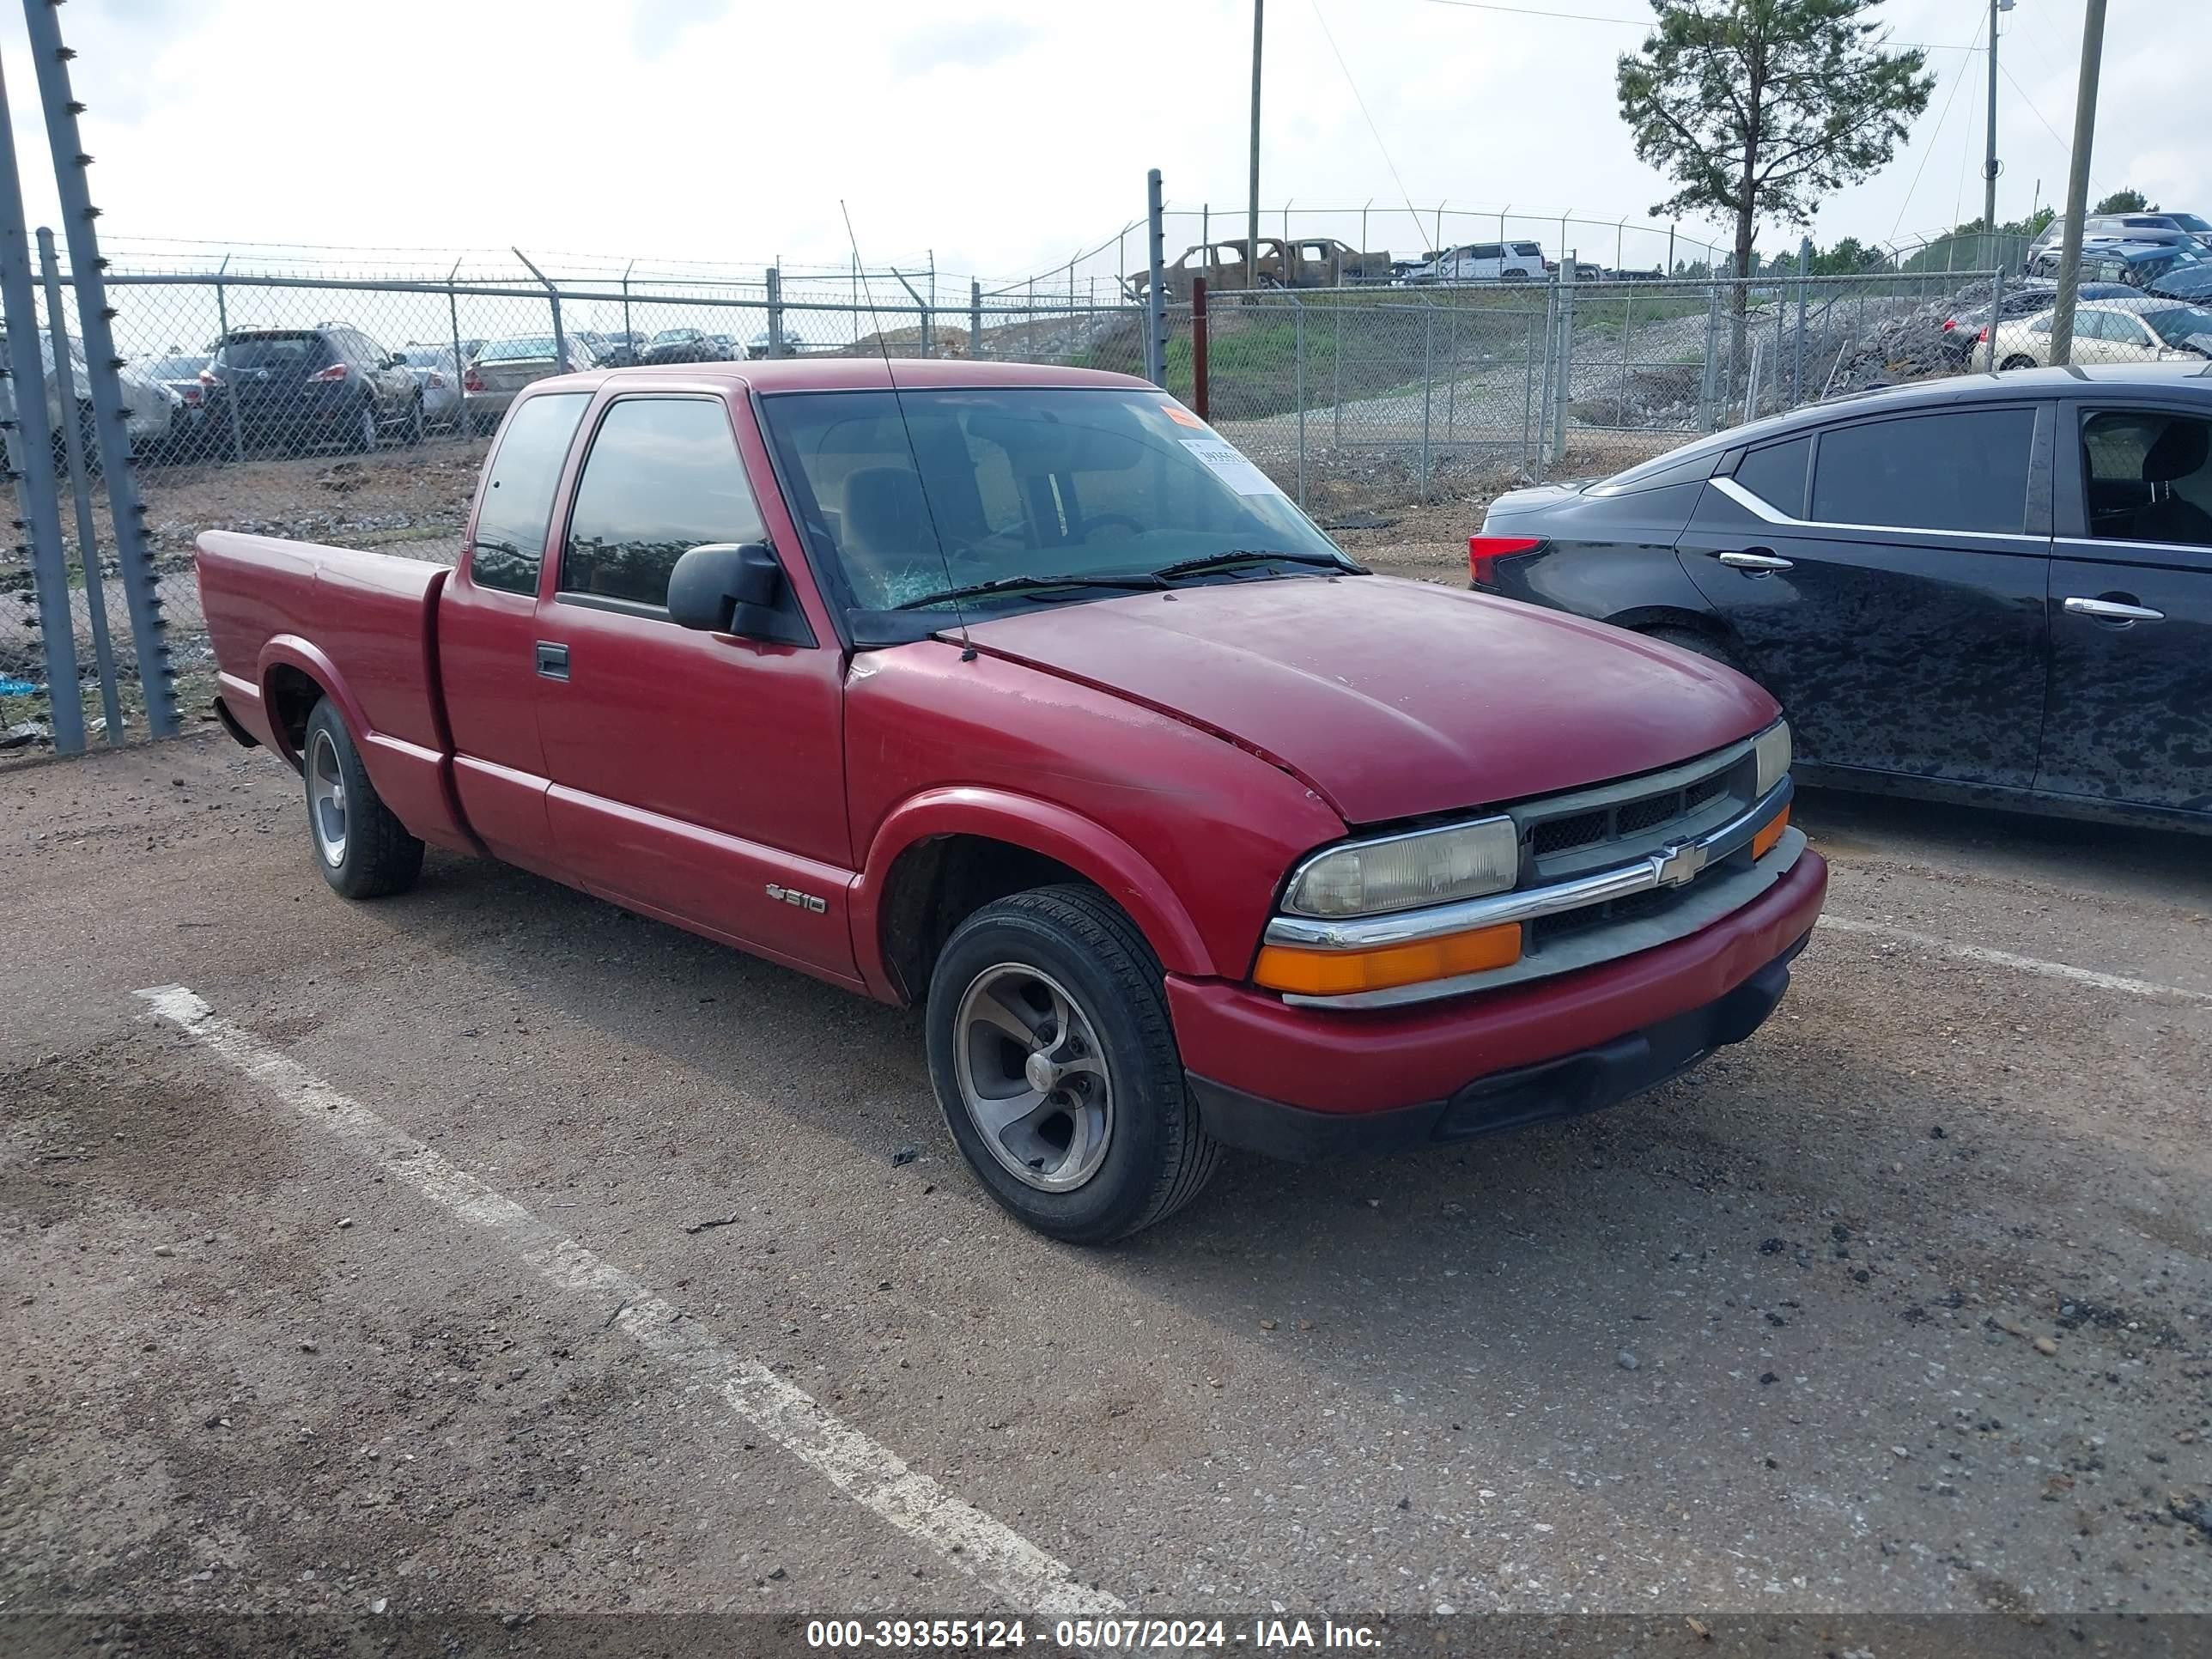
column 1753, row 559
column 2112, row 611
column 552, row 660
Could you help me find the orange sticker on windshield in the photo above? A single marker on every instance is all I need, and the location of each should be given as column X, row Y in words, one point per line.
column 1182, row 417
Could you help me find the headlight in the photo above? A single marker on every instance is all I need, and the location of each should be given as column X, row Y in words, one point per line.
column 1773, row 749
column 1429, row 866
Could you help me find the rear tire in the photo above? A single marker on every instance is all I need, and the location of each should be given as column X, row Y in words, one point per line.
column 2017, row 362
column 1084, row 1128
column 367, row 438
column 415, row 426
column 361, row 849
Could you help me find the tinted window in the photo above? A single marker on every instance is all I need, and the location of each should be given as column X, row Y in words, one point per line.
column 1960, row 470
column 663, row 477
column 1776, row 475
column 518, row 493
column 2149, row 476
column 1528, row 250
column 1487, row 251
column 271, row 351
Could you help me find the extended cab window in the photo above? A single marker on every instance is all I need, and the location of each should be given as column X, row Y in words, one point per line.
column 1964, row 468
column 663, row 477
column 518, row 493
column 2149, row 476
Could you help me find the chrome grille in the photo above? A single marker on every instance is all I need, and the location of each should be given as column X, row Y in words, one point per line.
column 1588, row 829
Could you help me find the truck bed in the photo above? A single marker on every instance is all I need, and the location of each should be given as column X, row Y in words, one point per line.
column 293, row 620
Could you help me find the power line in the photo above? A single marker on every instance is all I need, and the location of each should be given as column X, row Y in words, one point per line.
column 2065, row 148
column 1373, row 131
column 1933, row 137
column 1632, row 23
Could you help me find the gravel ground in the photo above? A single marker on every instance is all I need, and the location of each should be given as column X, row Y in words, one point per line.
column 1901, row 1308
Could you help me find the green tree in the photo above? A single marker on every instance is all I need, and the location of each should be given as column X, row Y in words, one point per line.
column 2125, row 201
column 1759, row 108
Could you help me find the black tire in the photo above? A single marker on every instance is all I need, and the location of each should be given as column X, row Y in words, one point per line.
column 2017, row 362
column 366, row 434
column 1157, row 1157
column 1704, row 644
column 373, row 855
column 416, row 426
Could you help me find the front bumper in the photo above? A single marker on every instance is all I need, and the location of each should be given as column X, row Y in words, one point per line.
column 1240, row 1043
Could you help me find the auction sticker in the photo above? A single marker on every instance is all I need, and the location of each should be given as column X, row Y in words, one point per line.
column 1221, row 458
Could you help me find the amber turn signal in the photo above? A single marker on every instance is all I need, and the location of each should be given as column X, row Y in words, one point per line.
column 1340, row 973
column 1763, row 842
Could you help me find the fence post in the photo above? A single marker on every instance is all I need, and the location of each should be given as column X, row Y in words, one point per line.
column 1544, row 392
column 460, row 363
column 1562, row 384
column 1709, row 389
column 1336, row 371
column 1298, row 358
column 34, row 458
column 1528, row 386
column 974, row 317
column 125, row 512
column 88, row 540
column 629, row 335
column 1797, row 362
column 775, row 277
column 1201, row 381
column 1156, row 314
column 553, row 299
column 222, row 333
column 1451, row 380
column 1428, row 385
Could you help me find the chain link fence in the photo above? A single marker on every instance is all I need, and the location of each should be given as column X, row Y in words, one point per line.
column 354, row 411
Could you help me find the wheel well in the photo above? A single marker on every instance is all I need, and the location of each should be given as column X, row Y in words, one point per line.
column 1644, row 619
column 291, row 695
column 936, row 884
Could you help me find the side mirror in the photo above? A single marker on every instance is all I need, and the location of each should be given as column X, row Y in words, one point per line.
column 726, row 587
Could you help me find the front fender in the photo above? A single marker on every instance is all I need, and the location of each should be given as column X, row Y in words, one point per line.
column 1084, row 846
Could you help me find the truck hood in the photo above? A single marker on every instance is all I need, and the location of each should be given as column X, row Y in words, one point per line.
column 1395, row 699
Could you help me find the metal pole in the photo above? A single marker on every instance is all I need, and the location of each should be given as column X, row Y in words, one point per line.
column 1201, row 379
column 1544, row 392
column 1428, row 387
column 1989, row 161
column 1670, row 249
column 223, row 334
column 2077, row 184
column 1252, row 196
column 552, row 298
column 1156, row 314
column 1708, row 391
column 1797, row 362
column 1563, row 384
column 775, row 279
column 1997, row 312
column 629, row 334
column 1451, row 381
column 1336, row 377
column 1527, row 385
column 126, row 514
column 460, row 368
column 1440, row 226
column 974, row 317
column 88, row 540
column 1298, row 357
column 34, row 457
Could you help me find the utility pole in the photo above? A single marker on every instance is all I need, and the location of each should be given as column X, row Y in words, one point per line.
column 1252, row 217
column 2077, row 184
column 1990, row 160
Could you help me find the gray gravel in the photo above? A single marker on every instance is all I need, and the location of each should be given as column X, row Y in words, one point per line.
column 1901, row 1307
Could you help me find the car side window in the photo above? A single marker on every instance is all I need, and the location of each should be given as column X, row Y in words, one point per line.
column 2149, row 476
column 1776, row 475
column 663, row 477
column 520, row 479
column 1963, row 469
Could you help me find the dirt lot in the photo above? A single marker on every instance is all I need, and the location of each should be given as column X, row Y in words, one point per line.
column 490, row 1251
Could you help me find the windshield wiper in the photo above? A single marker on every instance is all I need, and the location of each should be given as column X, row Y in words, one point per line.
column 1236, row 556
column 1132, row 581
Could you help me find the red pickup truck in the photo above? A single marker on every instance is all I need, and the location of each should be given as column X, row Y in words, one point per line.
column 1018, row 693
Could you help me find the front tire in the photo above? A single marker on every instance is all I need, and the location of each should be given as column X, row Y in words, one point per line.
column 1055, row 1061
column 361, row 849
column 2017, row 362
column 415, row 426
column 366, row 434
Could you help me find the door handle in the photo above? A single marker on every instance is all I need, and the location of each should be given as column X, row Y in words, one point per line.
column 552, row 660
column 1753, row 559
column 2112, row 611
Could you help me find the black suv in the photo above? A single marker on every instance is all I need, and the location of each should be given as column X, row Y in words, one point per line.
column 1994, row 588
column 294, row 387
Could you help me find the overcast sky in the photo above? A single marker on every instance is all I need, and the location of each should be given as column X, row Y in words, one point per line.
column 1002, row 137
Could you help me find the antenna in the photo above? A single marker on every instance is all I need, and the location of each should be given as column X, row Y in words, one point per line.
column 898, row 401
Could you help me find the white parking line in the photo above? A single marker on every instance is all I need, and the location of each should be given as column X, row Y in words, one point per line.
column 871, row 1475
column 2138, row 987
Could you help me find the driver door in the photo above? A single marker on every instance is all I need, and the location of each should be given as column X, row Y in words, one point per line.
column 696, row 776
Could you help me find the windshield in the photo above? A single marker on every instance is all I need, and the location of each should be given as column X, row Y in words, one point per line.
column 427, row 356
column 516, row 351
column 270, row 351
column 2189, row 221
column 2189, row 324
column 1019, row 481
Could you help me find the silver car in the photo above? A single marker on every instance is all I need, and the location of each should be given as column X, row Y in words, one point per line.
column 2145, row 330
column 440, row 377
column 502, row 368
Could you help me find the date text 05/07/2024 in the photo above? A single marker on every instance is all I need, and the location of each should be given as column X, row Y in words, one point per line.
column 1130, row 1634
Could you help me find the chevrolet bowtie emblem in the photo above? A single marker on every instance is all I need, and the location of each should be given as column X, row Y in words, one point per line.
column 1679, row 863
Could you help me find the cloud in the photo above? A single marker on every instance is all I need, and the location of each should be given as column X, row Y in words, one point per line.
column 963, row 46
column 656, row 26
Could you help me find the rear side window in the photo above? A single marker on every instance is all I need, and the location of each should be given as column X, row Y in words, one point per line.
column 518, row 494
column 1528, row 250
column 663, row 477
column 1960, row 470
column 1776, row 475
